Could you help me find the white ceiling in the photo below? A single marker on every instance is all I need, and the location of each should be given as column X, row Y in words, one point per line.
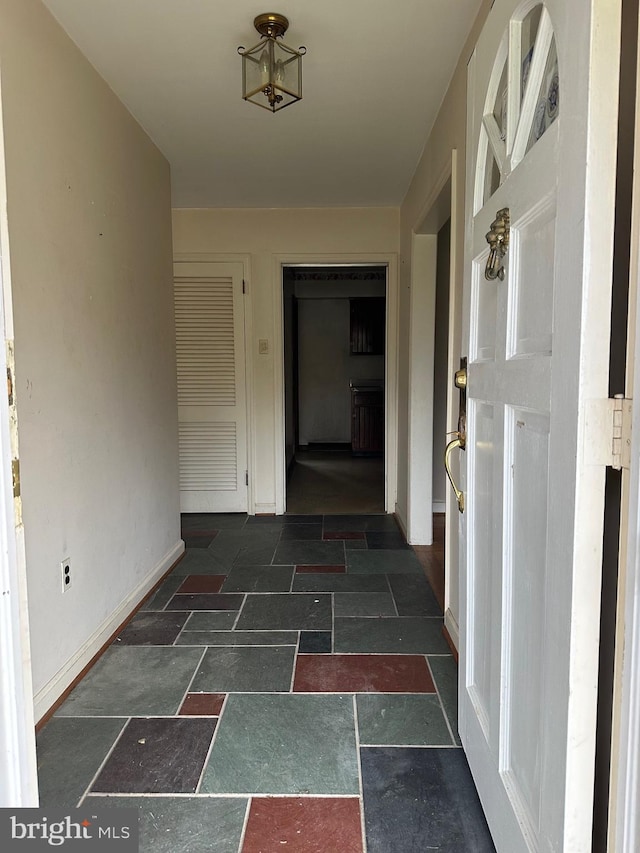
column 373, row 79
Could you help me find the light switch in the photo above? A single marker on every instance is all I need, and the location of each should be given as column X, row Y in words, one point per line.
column 263, row 346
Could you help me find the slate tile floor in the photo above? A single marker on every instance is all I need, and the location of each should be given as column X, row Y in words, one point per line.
column 287, row 687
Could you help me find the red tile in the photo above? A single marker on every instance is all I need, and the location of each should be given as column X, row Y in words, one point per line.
column 202, row 705
column 362, row 674
column 202, row 583
column 346, row 534
column 303, row 825
column 300, row 570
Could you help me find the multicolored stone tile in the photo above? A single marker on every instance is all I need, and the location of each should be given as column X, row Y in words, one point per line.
column 398, row 719
column 202, row 705
column 259, row 579
column 322, row 569
column 70, row 751
column 392, row 635
column 329, row 535
column 131, row 681
column 280, row 612
column 315, row 642
column 186, row 824
column 364, row 604
column 245, row 669
column 304, row 825
column 148, row 628
column 389, row 562
column 205, row 601
column 284, row 744
column 231, row 708
column 421, row 799
column 362, row 674
column 157, row 756
column 201, row 583
column 299, row 553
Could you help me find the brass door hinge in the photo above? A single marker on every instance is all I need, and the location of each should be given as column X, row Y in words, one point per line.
column 621, row 412
column 608, row 432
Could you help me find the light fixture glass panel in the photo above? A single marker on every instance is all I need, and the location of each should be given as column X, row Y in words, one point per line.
column 287, row 72
column 255, row 69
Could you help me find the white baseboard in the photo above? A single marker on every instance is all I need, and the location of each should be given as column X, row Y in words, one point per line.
column 265, row 509
column 51, row 692
column 451, row 624
column 439, row 506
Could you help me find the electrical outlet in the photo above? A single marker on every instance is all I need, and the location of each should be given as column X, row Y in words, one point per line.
column 65, row 567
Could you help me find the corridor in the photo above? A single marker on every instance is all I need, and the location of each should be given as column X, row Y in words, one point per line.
column 287, row 687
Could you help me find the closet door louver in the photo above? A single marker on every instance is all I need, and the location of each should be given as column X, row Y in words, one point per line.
column 209, row 314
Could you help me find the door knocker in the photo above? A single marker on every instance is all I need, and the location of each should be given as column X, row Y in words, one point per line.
column 498, row 240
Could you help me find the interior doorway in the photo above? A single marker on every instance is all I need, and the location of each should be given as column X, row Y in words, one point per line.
column 334, row 372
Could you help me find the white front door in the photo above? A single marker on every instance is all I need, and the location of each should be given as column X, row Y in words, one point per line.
column 212, row 416
column 541, row 143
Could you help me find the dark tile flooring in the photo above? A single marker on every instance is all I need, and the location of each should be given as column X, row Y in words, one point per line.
column 287, row 687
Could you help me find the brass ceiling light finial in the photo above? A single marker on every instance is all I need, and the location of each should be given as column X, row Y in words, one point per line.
column 271, row 70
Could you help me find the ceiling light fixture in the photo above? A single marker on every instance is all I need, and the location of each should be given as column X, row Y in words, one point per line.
column 271, row 70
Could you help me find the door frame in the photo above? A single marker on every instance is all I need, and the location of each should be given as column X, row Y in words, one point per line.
column 390, row 261
column 624, row 792
column 441, row 203
column 245, row 260
column 624, row 819
column 18, row 768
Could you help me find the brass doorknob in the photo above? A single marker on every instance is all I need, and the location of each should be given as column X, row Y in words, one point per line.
column 460, row 379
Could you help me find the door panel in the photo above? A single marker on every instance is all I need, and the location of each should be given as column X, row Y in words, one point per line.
column 532, row 527
column 484, row 599
column 482, row 346
column 211, row 387
column 531, row 299
column 525, row 567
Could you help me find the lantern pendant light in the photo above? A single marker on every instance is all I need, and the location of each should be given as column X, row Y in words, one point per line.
column 271, row 70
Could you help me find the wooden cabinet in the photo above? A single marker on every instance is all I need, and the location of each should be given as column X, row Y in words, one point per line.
column 367, row 325
column 367, row 419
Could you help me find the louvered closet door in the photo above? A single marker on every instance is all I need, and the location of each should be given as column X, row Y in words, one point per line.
column 211, row 387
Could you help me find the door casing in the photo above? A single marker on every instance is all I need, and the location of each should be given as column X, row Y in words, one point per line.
column 316, row 260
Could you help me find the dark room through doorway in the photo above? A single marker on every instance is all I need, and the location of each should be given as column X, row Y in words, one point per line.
column 334, row 347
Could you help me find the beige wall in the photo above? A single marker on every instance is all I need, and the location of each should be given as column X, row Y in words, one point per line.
column 448, row 134
column 318, row 235
column 90, row 243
